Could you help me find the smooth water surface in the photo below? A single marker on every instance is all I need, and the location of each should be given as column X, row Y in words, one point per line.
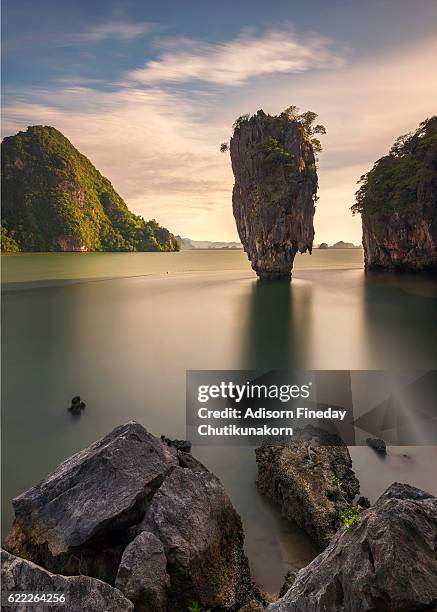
column 121, row 332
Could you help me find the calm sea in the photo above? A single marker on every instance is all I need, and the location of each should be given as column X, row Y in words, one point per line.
column 121, row 330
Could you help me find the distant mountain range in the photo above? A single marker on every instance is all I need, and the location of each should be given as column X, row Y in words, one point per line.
column 186, row 244
column 339, row 245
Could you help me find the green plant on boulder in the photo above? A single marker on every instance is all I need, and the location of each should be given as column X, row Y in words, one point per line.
column 350, row 516
column 336, row 483
column 195, row 607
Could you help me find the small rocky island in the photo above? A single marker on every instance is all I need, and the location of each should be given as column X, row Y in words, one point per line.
column 274, row 164
column 54, row 199
column 397, row 201
column 135, row 523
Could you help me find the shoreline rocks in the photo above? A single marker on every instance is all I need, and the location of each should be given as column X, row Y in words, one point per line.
column 81, row 592
column 136, row 512
column 311, row 478
column 274, row 193
column 386, row 562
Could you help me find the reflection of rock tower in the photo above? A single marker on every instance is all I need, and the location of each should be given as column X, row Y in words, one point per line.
column 274, row 192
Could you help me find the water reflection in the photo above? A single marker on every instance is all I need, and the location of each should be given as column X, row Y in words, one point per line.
column 278, row 327
column 400, row 321
column 124, row 345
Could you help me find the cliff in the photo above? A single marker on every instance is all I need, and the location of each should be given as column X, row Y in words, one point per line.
column 54, row 199
column 275, row 190
column 397, row 201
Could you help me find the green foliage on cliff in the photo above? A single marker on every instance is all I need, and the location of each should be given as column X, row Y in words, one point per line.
column 310, row 132
column 391, row 186
column 273, row 151
column 54, row 199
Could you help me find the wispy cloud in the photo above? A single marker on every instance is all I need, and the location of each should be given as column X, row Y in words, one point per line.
column 154, row 145
column 236, row 61
column 159, row 145
column 115, row 30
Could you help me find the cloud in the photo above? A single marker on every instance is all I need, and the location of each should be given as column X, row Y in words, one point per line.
column 115, row 30
column 160, row 146
column 157, row 148
column 235, row 62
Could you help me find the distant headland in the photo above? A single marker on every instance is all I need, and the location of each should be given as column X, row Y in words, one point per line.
column 54, row 199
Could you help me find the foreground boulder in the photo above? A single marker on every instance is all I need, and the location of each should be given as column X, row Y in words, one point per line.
column 135, row 511
column 142, row 573
column 78, row 519
column 397, row 201
column 274, row 193
column 81, row 592
column 385, row 563
column 311, row 478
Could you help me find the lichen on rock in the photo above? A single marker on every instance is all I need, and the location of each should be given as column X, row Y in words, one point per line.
column 275, row 190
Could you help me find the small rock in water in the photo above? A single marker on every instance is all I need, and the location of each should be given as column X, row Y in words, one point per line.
column 76, row 405
column 377, row 444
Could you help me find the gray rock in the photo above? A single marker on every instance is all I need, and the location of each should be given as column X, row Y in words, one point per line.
column 387, row 562
column 377, row 444
column 300, row 477
column 202, row 536
column 289, row 579
column 82, row 593
column 181, row 445
column 142, row 575
column 274, row 193
column 77, row 520
column 139, row 513
column 253, row 606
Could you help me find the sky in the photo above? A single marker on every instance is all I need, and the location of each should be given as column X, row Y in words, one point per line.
column 149, row 90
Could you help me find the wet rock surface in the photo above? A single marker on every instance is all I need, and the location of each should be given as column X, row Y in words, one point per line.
column 387, row 562
column 311, row 478
column 81, row 592
column 274, row 192
column 135, row 511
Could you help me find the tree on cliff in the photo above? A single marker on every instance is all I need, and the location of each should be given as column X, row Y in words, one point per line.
column 392, row 184
column 306, row 119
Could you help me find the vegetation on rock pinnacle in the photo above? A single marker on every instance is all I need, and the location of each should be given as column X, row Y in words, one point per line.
column 397, row 201
column 54, row 199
